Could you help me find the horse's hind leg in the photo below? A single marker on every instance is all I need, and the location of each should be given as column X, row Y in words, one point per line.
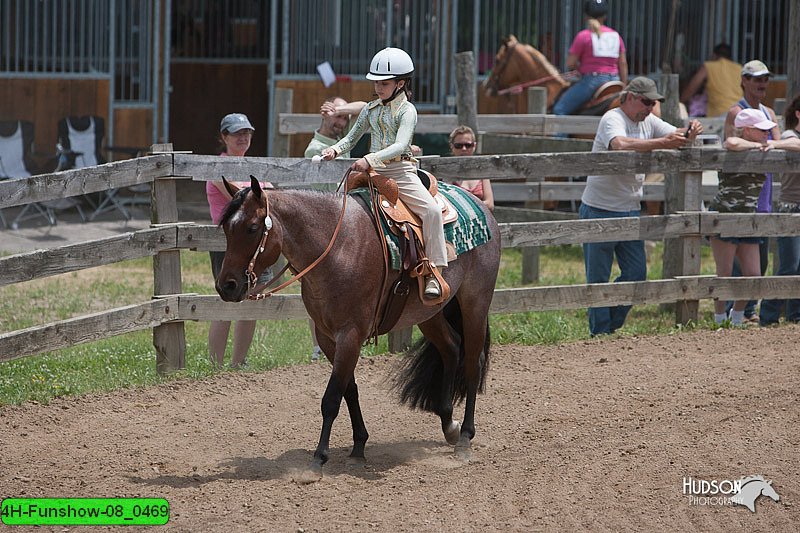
column 360, row 434
column 446, row 340
column 475, row 330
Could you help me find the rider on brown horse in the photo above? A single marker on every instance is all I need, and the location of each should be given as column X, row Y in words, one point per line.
column 598, row 54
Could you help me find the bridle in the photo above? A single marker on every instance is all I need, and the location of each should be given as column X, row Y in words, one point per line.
column 252, row 278
column 500, row 67
column 255, row 290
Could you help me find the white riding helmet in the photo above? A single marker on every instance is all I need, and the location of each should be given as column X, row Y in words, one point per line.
column 390, row 63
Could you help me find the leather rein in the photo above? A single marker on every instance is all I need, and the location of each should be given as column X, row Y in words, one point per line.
column 255, row 291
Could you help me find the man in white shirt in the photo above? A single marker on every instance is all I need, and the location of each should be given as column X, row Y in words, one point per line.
column 631, row 126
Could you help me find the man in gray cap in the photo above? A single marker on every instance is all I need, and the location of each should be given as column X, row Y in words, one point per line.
column 755, row 79
column 632, row 126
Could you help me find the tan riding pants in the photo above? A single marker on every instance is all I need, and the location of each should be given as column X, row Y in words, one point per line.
column 420, row 201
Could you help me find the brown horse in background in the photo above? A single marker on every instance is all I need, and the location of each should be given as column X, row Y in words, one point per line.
column 518, row 65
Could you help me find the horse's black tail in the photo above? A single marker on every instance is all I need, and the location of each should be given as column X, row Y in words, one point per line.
column 420, row 380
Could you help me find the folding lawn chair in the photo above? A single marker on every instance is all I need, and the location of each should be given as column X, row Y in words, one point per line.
column 81, row 142
column 16, row 146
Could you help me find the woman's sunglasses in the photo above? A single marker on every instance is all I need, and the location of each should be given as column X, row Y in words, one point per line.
column 461, row 146
column 764, row 78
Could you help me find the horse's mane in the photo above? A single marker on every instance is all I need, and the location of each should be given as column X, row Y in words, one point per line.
column 748, row 479
column 234, row 205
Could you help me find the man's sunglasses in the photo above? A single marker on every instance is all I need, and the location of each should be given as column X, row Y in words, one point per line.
column 461, row 146
column 647, row 102
column 757, row 78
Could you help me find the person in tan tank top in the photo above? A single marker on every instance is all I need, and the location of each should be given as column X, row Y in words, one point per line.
column 721, row 78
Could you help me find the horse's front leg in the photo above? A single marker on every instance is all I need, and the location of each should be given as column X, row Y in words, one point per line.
column 341, row 384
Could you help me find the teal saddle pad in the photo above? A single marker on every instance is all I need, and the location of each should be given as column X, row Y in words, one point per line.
column 468, row 231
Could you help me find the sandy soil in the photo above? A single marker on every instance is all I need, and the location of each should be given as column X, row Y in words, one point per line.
column 594, row 435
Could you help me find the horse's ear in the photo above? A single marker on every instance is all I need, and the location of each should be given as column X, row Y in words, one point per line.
column 230, row 187
column 255, row 186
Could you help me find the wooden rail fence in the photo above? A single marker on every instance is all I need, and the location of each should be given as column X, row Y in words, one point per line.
column 170, row 307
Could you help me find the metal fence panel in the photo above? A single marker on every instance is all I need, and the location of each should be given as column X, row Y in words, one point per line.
column 73, row 37
column 54, row 37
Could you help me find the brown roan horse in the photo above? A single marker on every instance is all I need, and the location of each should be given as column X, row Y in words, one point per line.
column 519, row 65
column 342, row 292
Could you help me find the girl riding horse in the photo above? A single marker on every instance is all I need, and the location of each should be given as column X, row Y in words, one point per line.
column 391, row 119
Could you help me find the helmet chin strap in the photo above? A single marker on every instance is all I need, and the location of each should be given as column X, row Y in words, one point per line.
column 394, row 94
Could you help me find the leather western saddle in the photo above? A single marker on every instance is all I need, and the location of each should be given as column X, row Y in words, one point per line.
column 408, row 227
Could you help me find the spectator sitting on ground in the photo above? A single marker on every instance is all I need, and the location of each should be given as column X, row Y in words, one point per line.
column 462, row 142
column 631, row 126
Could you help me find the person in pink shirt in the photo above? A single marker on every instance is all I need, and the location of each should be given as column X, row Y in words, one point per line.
column 236, row 134
column 598, row 54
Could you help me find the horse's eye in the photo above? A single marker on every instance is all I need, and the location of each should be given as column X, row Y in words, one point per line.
column 252, row 228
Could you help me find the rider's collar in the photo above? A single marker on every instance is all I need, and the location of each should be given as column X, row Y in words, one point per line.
column 394, row 105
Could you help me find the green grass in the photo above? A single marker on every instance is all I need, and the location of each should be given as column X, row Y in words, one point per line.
column 129, row 360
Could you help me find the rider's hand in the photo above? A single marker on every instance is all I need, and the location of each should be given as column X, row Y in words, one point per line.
column 328, row 154
column 360, row 165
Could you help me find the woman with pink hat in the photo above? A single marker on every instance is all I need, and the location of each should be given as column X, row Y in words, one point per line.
column 738, row 193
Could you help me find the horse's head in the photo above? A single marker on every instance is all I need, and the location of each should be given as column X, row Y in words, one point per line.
column 253, row 240
column 495, row 82
column 769, row 491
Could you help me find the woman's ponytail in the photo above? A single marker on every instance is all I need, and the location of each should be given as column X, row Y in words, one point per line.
column 595, row 25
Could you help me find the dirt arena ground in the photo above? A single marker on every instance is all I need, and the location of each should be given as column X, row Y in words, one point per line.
column 595, row 435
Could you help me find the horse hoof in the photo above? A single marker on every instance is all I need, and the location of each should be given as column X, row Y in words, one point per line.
column 356, row 462
column 463, row 450
column 453, row 433
column 312, row 475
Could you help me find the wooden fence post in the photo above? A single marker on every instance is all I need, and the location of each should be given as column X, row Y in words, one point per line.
column 466, row 99
column 688, row 250
column 283, row 104
column 537, row 104
column 674, row 188
column 169, row 340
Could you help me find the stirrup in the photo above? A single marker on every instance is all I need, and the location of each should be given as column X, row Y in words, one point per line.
column 432, row 288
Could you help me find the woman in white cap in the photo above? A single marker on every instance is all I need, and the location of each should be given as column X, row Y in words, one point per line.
column 391, row 120
column 236, row 134
column 738, row 193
